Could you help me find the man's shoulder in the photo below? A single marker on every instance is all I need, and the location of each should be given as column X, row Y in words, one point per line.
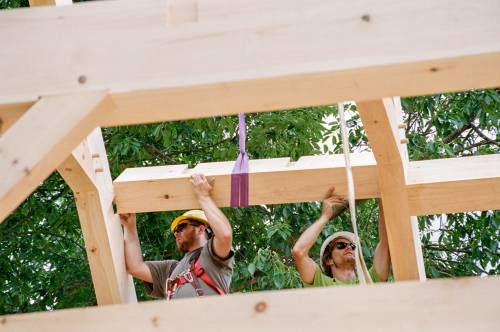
column 208, row 253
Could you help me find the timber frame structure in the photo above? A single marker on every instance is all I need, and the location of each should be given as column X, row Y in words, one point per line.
column 74, row 69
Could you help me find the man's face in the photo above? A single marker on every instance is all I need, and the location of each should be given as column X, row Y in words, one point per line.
column 186, row 235
column 343, row 257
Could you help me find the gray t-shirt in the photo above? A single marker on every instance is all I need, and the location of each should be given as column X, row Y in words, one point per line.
column 220, row 271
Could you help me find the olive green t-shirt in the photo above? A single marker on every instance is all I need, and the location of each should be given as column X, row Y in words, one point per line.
column 322, row 280
column 220, row 271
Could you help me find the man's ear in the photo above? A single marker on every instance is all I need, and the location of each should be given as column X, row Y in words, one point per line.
column 202, row 229
column 329, row 261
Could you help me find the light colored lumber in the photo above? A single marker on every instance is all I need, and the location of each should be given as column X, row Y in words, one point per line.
column 278, row 181
column 34, row 3
column 435, row 306
column 271, row 181
column 148, row 53
column 41, row 139
column 10, row 113
column 380, row 119
column 454, row 185
column 100, row 225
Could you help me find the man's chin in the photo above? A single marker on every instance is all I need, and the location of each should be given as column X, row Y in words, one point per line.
column 350, row 260
column 181, row 247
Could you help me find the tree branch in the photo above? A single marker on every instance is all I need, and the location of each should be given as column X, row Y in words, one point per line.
column 470, row 147
column 456, row 133
column 441, row 248
column 481, row 134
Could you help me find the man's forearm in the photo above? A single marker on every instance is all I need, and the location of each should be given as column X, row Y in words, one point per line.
column 382, row 256
column 133, row 254
column 218, row 221
column 308, row 238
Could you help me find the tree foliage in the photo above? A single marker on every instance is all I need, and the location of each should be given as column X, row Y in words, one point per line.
column 43, row 264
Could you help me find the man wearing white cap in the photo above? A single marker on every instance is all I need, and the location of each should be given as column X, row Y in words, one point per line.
column 204, row 236
column 337, row 255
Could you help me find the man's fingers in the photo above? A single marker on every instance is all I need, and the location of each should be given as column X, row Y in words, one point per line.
column 330, row 192
column 211, row 181
column 335, row 198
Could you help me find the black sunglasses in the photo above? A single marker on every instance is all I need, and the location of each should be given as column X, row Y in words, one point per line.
column 181, row 227
column 343, row 245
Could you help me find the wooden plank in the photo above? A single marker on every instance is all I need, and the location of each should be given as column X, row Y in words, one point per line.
column 34, row 3
column 380, row 120
column 271, row 181
column 433, row 185
column 433, row 306
column 454, row 185
column 100, row 225
column 150, row 60
column 41, row 139
column 9, row 114
column 93, row 191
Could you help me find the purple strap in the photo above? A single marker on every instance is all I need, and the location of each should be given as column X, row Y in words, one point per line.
column 239, row 177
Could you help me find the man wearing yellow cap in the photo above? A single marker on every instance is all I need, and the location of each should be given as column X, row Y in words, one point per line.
column 204, row 236
column 337, row 255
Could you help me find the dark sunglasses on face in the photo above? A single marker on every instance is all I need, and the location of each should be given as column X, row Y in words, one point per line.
column 343, row 245
column 181, row 227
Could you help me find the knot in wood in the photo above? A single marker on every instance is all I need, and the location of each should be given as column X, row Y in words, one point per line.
column 261, row 306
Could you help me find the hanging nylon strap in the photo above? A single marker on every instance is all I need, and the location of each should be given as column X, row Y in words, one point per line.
column 363, row 275
column 239, row 176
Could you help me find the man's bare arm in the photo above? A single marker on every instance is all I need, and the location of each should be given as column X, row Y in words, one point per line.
column 223, row 233
column 300, row 252
column 133, row 255
column 382, row 256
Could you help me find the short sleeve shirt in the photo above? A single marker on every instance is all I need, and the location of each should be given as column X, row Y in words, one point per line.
column 322, row 280
column 218, row 269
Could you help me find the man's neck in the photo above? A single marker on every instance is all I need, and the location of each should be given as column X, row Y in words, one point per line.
column 343, row 274
column 197, row 245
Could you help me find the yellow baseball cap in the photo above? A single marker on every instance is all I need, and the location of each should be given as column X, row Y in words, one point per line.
column 197, row 215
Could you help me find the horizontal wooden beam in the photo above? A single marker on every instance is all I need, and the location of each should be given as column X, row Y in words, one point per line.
column 454, row 185
column 276, row 181
column 42, row 138
column 164, row 60
column 87, row 173
column 433, row 306
column 271, row 181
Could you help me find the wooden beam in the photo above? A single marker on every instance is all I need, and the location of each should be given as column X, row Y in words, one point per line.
column 9, row 114
column 93, row 190
column 434, row 186
column 433, row 306
column 101, row 228
column 271, row 181
column 41, row 139
column 150, row 59
column 380, row 120
column 454, row 185
column 34, row 3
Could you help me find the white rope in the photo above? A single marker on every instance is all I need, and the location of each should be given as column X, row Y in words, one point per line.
column 362, row 271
